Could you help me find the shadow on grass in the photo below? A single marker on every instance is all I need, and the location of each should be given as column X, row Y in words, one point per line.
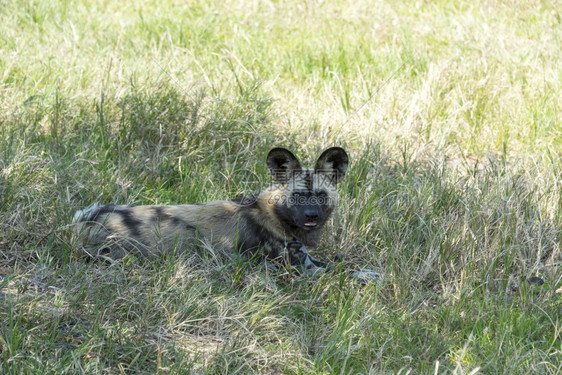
column 456, row 245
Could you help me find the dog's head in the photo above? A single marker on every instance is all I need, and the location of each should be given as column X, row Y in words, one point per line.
column 305, row 198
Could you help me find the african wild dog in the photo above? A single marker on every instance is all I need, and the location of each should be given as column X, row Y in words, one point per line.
column 278, row 224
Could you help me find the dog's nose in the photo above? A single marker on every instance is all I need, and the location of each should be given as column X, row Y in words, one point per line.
column 311, row 214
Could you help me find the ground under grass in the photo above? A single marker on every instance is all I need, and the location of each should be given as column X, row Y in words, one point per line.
column 451, row 114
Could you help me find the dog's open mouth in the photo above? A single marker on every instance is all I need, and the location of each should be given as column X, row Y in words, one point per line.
column 310, row 224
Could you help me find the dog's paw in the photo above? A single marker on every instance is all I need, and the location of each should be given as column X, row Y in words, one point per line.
column 365, row 275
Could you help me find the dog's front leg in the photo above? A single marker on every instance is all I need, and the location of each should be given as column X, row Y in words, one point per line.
column 299, row 256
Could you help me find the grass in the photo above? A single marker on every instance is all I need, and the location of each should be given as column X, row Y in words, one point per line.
column 450, row 111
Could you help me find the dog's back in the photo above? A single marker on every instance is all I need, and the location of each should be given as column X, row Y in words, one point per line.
column 114, row 230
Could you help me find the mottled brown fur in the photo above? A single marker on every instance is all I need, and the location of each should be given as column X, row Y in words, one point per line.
column 277, row 224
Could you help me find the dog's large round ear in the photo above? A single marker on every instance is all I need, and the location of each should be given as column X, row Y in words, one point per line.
column 333, row 163
column 282, row 164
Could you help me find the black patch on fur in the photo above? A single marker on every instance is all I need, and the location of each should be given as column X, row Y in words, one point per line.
column 189, row 227
column 105, row 251
column 101, row 210
column 94, row 217
column 284, row 214
column 130, row 221
column 296, row 256
column 160, row 215
column 180, row 222
column 254, row 236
